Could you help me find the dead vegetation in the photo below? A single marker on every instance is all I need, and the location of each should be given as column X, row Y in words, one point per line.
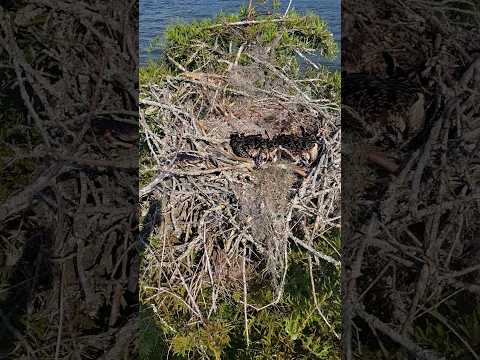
column 411, row 276
column 217, row 225
column 68, row 75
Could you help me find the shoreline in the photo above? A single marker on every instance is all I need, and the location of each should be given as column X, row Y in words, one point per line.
column 154, row 23
column 243, row 198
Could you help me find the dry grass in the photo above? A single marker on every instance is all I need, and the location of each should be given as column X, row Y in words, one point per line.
column 79, row 195
column 220, row 221
column 408, row 238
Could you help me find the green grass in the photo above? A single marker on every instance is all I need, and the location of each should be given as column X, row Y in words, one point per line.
column 182, row 40
column 15, row 132
column 293, row 328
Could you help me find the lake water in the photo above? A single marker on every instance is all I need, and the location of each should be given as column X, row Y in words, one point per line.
column 155, row 15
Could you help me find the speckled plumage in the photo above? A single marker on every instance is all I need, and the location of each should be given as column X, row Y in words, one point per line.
column 302, row 150
column 391, row 108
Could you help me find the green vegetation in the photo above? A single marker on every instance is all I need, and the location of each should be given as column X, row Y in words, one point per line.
column 293, row 328
column 434, row 331
column 17, row 138
column 210, row 44
column 437, row 334
column 193, row 304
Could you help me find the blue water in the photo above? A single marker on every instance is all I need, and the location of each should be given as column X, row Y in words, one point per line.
column 155, row 15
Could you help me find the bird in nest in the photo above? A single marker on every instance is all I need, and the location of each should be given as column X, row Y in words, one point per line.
column 302, row 150
column 255, row 147
column 389, row 109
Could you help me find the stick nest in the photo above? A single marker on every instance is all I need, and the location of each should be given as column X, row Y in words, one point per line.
column 213, row 222
column 408, row 238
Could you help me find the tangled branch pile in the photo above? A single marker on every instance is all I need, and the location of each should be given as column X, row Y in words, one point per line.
column 218, row 231
column 68, row 207
column 415, row 255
